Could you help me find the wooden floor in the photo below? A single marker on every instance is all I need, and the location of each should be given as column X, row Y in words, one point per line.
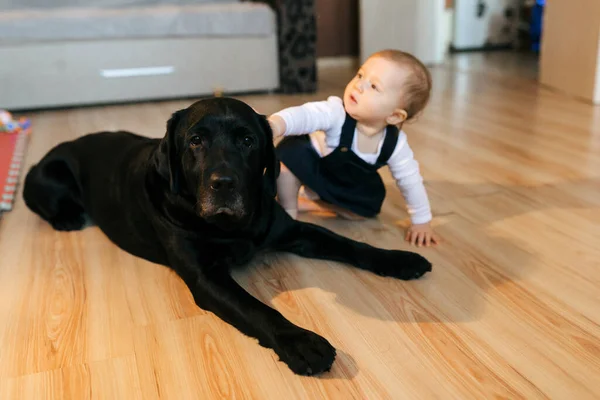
column 511, row 309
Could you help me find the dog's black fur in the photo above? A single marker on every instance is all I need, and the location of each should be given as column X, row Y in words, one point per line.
column 201, row 201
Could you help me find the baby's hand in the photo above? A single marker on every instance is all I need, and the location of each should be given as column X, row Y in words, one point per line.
column 277, row 125
column 422, row 235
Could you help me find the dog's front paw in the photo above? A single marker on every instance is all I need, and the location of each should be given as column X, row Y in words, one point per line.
column 72, row 222
column 305, row 352
column 403, row 265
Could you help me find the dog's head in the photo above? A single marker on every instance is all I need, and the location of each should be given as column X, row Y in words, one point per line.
column 219, row 152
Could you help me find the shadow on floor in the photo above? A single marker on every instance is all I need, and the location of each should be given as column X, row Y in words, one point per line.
column 475, row 261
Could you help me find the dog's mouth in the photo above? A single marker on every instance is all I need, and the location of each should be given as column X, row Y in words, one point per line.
column 222, row 211
column 225, row 211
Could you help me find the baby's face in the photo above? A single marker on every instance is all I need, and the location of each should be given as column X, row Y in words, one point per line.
column 375, row 92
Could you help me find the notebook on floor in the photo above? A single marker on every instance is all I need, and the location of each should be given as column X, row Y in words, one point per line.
column 12, row 152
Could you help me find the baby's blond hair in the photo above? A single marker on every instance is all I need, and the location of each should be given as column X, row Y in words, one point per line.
column 417, row 89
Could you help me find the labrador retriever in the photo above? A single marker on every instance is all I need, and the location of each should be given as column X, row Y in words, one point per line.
column 201, row 200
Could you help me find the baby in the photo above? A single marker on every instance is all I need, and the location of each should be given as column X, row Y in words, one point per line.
column 335, row 147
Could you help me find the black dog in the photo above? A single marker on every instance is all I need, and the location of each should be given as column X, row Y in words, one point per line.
column 201, row 201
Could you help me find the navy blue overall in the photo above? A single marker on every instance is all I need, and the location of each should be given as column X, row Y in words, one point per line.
column 342, row 177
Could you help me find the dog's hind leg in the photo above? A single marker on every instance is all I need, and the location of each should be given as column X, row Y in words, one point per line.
column 50, row 190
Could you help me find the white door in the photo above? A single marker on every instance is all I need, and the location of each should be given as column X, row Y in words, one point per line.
column 484, row 23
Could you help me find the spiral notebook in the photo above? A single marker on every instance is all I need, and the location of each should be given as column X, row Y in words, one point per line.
column 12, row 152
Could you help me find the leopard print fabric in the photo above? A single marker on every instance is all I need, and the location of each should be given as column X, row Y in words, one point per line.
column 297, row 37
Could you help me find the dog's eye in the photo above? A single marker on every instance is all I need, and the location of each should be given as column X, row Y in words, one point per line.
column 195, row 141
column 248, row 141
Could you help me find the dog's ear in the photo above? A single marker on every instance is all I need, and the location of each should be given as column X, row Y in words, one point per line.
column 271, row 162
column 166, row 158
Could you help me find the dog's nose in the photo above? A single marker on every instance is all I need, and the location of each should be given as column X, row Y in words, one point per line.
column 221, row 182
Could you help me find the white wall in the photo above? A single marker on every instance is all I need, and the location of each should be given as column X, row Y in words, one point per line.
column 447, row 29
column 415, row 26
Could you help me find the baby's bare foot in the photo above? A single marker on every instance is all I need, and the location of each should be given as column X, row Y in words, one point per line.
column 305, row 205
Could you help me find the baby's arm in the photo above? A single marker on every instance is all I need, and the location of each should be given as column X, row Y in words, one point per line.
column 307, row 118
column 405, row 170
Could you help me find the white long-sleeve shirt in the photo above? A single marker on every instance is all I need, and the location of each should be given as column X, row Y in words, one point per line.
column 329, row 116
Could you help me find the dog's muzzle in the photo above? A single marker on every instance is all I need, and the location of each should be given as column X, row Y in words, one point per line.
column 222, row 197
